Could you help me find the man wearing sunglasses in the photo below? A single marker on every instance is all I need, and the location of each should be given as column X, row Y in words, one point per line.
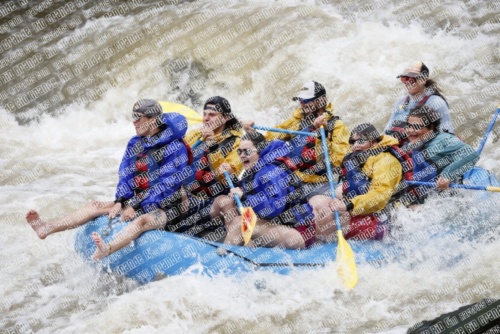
column 150, row 178
column 421, row 91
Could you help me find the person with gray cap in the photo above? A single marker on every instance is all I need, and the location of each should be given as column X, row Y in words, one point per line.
column 148, row 186
column 421, row 91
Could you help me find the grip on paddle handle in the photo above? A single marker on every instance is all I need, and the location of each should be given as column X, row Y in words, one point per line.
column 231, row 185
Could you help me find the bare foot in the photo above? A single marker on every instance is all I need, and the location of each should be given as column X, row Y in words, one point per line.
column 102, row 249
column 37, row 224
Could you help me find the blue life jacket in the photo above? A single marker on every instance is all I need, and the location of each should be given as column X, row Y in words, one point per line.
column 423, row 170
column 152, row 168
column 290, row 209
column 357, row 181
column 145, row 164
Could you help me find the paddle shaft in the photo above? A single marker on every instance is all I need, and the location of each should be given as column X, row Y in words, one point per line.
column 290, row 132
column 454, row 185
column 195, row 145
column 329, row 174
column 488, row 131
column 236, row 197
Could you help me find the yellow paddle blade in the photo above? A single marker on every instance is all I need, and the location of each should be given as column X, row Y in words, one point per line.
column 347, row 265
column 192, row 116
column 248, row 221
column 494, row 189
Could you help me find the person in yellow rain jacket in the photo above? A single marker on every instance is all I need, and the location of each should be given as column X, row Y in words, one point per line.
column 220, row 138
column 371, row 174
column 307, row 151
column 314, row 111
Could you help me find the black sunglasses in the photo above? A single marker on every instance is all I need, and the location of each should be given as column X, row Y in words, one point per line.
column 361, row 141
column 137, row 116
column 246, row 151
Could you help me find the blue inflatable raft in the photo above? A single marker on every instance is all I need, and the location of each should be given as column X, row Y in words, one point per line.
column 159, row 253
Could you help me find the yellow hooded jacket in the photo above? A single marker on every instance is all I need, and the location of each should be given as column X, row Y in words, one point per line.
column 385, row 172
column 221, row 154
column 338, row 143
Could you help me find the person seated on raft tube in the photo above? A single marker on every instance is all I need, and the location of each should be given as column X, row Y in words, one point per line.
column 371, row 174
column 422, row 91
column 268, row 187
column 437, row 156
column 314, row 112
column 221, row 134
column 148, row 182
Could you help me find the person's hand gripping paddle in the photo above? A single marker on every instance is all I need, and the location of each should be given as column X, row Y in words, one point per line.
column 248, row 217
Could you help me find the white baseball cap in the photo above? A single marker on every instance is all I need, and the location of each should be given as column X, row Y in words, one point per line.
column 310, row 90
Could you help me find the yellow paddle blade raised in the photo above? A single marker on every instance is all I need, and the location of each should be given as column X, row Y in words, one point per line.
column 192, row 116
column 347, row 263
column 248, row 221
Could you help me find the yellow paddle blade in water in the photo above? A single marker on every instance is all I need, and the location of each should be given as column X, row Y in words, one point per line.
column 192, row 116
column 347, row 263
column 248, row 221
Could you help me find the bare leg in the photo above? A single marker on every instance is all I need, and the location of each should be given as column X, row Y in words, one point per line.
column 81, row 216
column 323, row 215
column 224, row 208
column 233, row 228
column 326, row 226
column 267, row 234
column 153, row 220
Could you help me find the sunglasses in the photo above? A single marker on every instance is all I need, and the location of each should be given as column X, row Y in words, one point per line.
column 361, row 141
column 245, row 151
column 137, row 116
column 306, row 101
column 408, row 79
column 416, row 126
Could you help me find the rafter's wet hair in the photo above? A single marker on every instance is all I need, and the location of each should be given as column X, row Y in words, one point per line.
column 366, row 130
column 430, row 117
column 257, row 139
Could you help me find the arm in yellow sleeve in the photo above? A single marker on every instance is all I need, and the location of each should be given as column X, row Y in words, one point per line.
column 385, row 172
column 291, row 123
column 338, row 145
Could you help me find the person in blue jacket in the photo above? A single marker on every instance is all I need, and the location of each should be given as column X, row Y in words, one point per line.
column 272, row 190
column 437, row 156
column 150, row 178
